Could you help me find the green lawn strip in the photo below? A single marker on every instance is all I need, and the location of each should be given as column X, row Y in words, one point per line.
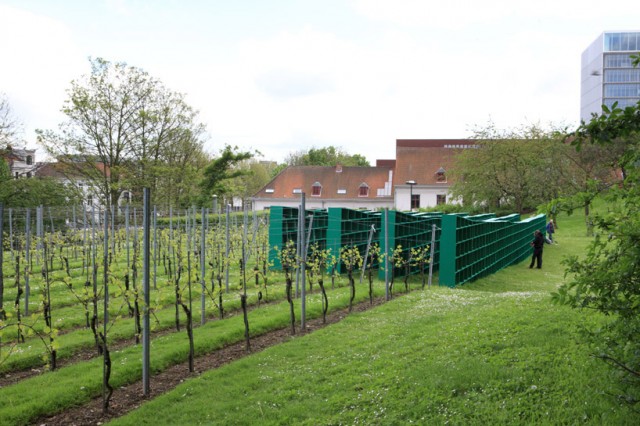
column 32, row 353
column 434, row 357
column 73, row 385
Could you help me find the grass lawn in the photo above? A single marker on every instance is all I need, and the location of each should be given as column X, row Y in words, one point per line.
column 494, row 351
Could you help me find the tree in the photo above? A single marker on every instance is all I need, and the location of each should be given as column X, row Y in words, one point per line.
column 607, row 279
column 34, row 192
column 5, row 171
column 218, row 175
column 10, row 127
column 177, row 173
column 584, row 174
column 122, row 126
column 256, row 174
column 515, row 169
column 328, row 156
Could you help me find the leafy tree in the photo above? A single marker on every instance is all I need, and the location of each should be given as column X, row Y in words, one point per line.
column 34, row 192
column 219, row 174
column 122, row 128
column 608, row 278
column 5, row 171
column 177, row 174
column 328, row 156
column 255, row 175
column 584, row 174
column 277, row 169
column 514, row 169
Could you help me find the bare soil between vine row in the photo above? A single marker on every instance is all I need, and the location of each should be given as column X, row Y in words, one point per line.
column 130, row 397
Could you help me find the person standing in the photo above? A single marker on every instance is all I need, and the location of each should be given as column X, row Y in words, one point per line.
column 551, row 228
column 537, row 244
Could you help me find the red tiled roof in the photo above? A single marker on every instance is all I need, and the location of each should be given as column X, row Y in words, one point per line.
column 420, row 159
column 52, row 170
column 331, row 179
column 62, row 170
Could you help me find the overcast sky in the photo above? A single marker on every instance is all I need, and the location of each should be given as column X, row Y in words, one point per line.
column 287, row 75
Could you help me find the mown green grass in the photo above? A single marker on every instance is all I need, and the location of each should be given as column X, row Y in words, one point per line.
column 495, row 351
column 76, row 384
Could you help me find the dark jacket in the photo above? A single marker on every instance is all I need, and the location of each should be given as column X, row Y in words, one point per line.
column 538, row 241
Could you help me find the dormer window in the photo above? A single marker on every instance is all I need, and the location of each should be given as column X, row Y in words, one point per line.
column 316, row 189
column 441, row 176
column 363, row 191
column 29, row 160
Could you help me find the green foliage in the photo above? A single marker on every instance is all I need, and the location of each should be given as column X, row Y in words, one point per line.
column 517, row 169
column 219, row 173
column 33, row 192
column 607, row 279
column 254, row 175
column 5, row 171
column 327, row 156
column 126, row 131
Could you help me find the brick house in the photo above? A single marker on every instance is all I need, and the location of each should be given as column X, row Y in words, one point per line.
column 423, row 171
column 349, row 187
column 418, row 177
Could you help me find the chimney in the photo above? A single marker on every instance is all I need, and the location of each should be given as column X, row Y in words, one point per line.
column 339, row 168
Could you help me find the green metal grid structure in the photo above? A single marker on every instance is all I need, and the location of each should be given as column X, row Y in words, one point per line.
column 467, row 247
column 471, row 249
column 410, row 230
column 349, row 227
column 283, row 226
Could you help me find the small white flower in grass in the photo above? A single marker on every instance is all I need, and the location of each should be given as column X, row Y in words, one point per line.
column 534, row 387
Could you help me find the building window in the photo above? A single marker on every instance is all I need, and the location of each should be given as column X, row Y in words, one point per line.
column 622, row 76
column 269, row 190
column 441, row 199
column 342, row 191
column 415, row 201
column 363, row 191
column 28, row 174
column 618, row 60
column 29, row 160
column 616, row 42
column 441, row 175
column 17, row 175
column 297, row 190
column 621, row 90
column 316, row 189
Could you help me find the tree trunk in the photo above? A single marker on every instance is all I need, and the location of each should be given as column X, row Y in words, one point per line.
column 291, row 310
column 243, row 303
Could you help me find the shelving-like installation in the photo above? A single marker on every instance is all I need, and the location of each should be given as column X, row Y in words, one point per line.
column 349, row 227
column 411, row 230
column 471, row 249
column 466, row 247
column 283, row 227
